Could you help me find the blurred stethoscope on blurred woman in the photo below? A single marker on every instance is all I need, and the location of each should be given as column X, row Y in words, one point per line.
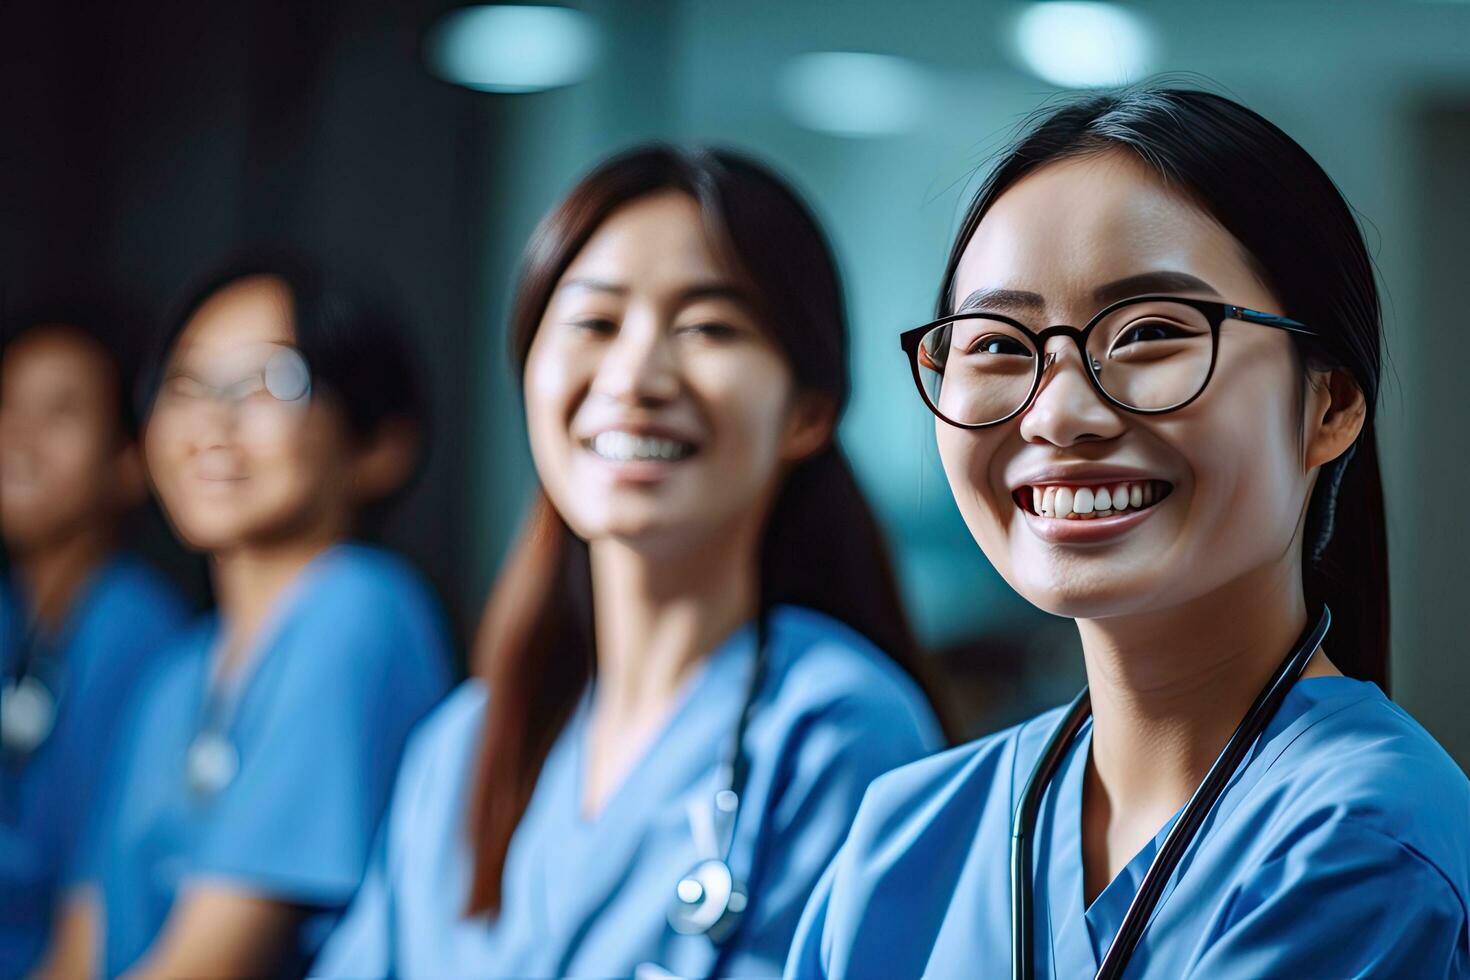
column 29, row 695
column 212, row 759
column 710, row 899
column 1180, row 836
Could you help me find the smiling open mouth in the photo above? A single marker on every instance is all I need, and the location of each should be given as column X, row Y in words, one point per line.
column 1084, row 503
column 625, row 447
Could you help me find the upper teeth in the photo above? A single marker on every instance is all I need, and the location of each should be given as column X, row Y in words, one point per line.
column 625, row 446
column 1100, row 501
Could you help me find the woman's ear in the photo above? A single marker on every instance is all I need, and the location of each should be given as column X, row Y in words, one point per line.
column 1336, row 412
column 810, row 425
column 385, row 462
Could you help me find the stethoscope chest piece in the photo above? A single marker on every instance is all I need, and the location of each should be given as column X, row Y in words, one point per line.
column 27, row 714
column 708, row 900
column 211, row 763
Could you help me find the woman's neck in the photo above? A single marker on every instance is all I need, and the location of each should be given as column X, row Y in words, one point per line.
column 247, row 582
column 1168, row 688
column 54, row 575
column 655, row 620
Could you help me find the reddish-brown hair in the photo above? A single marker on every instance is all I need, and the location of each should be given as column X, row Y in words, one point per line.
column 822, row 547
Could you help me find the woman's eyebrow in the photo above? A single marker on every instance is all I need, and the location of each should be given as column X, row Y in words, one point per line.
column 1004, row 298
column 1162, row 281
column 713, row 290
column 595, row 285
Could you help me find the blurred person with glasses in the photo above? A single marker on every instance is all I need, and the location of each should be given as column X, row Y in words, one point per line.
column 257, row 757
column 1191, row 476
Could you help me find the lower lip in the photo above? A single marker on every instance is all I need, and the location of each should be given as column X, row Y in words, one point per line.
column 219, row 483
column 644, row 472
column 1088, row 530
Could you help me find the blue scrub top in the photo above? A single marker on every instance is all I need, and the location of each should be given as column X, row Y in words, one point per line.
column 590, row 897
column 122, row 618
column 1341, row 848
column 353, row 654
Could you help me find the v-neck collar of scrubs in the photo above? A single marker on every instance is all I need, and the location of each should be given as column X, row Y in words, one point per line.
column 1081, row 933
column 586, row 860
column 717, row 666
column 41, row 645
column 222, row 693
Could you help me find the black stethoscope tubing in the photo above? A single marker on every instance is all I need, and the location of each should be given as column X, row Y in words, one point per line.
column 1180, row 836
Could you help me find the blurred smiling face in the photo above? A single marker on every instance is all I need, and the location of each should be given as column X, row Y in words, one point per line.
column 657, row 406
column 61, row 447
column 1194, row 499
column 238, row 452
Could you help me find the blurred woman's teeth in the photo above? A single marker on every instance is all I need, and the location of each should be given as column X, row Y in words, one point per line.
column 1086, row 503
column 624, row 447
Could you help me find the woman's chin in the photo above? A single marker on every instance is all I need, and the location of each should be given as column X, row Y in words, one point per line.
column 1083, row 594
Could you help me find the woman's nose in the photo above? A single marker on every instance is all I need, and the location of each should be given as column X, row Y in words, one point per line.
column 640, row 366
column 1067, row 408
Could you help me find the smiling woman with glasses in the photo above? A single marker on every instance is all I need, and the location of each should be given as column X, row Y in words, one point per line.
column 1190, row 476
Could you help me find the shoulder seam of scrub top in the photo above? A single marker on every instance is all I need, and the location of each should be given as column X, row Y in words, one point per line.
column 1353, row 820
column 1363, row 696
column 1416, row 857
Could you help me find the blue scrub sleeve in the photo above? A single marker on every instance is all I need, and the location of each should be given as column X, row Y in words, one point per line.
column 298, row 821
column 360, row 945
column 1345, row 901
column 853, row 743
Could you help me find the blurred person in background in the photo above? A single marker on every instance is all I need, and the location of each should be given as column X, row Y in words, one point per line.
column 80, row 620
column 256, row 760
column 1192, row 477
column 695, row 659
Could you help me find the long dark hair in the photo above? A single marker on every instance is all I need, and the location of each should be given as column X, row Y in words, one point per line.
column 1294, row 223
column 822, row 547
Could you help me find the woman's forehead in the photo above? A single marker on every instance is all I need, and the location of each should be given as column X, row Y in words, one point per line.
column 1078, row 224
column 248, row 312
column 656, row 242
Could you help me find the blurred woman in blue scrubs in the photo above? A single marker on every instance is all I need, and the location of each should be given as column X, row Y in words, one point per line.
column 695, row 659
column 259, row 756
column 80, row 620
column 1189, row 480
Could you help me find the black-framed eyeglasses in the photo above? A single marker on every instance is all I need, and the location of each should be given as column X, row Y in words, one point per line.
column 1146, row 354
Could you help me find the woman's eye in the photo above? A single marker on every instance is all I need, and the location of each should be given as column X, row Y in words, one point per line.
column 1150, row 330
column 594, row 324
column 711, row 329
column 999, row 344
column 182, row 386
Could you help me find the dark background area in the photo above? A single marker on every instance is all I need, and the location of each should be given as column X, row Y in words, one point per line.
column 143, row 144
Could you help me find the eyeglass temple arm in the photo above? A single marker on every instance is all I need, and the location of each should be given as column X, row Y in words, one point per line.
column 1269, row 320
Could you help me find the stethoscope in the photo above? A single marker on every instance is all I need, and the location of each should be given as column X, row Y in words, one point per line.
column 1180, row 836
column 212, row 760
column 29, row 696
column 709, row 899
